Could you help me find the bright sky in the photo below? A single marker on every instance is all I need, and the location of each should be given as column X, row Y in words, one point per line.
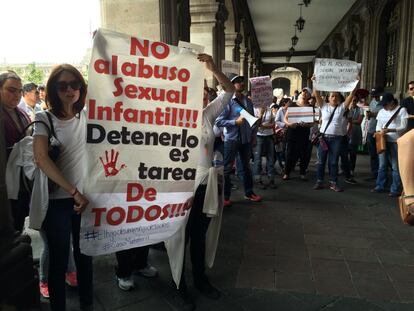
column 46, row 31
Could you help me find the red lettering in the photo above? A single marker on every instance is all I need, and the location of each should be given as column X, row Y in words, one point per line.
column 111, row 220
column 131, row 210
column 131, row 91
column 101, row 66
column 136, row 44
column 155, row 215
column 144, row 70
column 98, row 215
column 118, row 85
column 183, row 75
column 137, row 187
column 150, row 194
column 160, row 50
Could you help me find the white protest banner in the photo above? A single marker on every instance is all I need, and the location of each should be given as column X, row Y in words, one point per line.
column 301, row 114
column 143, row 134
column 336, row 74
column 261, row 89
column 229, row 67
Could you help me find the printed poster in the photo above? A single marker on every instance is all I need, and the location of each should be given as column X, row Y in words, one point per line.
column 301, row 114
column 143, row 134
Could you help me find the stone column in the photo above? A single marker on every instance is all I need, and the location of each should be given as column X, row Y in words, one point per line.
column 168, row 21
column 218, row 35
column 246, row 66
column 236, row 50
column 139, row 18
column 203, row 20
column 184, row 20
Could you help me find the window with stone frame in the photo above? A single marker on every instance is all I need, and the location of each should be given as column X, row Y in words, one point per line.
column 391, row 53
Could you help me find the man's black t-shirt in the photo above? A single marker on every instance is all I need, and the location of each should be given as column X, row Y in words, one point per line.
column 408, row 103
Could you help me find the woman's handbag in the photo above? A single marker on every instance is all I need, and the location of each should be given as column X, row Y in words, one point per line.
column 380, row 141
column 406, row 210
column 53, row 149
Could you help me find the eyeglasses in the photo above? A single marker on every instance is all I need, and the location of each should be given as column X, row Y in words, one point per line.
column 63, row 85
column 13, row 90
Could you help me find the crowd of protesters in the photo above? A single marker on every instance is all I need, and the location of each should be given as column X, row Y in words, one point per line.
column 337, row 132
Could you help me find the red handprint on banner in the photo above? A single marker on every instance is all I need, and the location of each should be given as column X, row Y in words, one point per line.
column 110, row 165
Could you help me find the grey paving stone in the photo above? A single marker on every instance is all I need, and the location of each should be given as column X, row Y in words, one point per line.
column 375, row 289
column 255, row 278
column 329, row 267
column 327, row 252
column 399, row 273
column 359, row 254
column 258, row 261
column 292, row 264
column 298, row 282
column 335, row 285
column 396, row 257
column 367, row 270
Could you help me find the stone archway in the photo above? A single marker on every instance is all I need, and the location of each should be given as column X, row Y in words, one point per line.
column 281, row 83
column 281, row 75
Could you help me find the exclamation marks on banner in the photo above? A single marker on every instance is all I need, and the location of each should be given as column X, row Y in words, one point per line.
column 178, row 210
column 188, row 118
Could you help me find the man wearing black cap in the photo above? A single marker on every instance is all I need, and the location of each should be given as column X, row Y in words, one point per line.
column 374, row 107
column 408, row 103
column 238, row 137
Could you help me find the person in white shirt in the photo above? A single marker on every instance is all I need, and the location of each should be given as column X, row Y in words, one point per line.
column 392, row 132
column 265, row 145
column 332, row 136
column 66, row 93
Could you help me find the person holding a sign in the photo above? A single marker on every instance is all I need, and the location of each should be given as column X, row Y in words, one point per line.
column 333, row 130
column 392, row 121
column 66, row 93
column 238, row 140
column 297, row 135
column 207, row 206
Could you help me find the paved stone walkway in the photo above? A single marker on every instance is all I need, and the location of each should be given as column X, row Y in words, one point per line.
column 299, row 249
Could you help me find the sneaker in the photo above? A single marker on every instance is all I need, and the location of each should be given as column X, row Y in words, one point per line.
column 208, row 290
column 394, row 194
column 350, row 181
column 377, row 190
column 126, row 284
column 149, row 271
column 285, row 177
column 44, row 289
column 71, row 279
column 253, row 197
column 318, row 186
column 227, row 203
column 334, row 187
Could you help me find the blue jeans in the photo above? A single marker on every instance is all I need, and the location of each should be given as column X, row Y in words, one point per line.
column 390, row 155
column 267, row 144
column 243, row 151
column 372, row 149
column 60, row 221
column 335, row 144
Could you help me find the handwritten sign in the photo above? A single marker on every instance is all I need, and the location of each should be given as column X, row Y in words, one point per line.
column 336, row 74
column 229, row 67
column 301, row 114
column 143, row 134
column 261, row 89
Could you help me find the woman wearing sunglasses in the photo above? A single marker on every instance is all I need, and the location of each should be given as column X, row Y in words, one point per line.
column 65, row 96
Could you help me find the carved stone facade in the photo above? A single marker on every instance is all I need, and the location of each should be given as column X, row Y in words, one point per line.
column 377, row 33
